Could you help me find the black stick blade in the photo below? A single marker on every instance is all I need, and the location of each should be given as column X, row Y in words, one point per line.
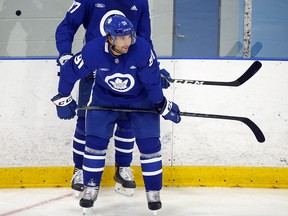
column 253, row 127
column 253, row 69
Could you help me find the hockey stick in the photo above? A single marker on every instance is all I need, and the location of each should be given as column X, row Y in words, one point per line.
column 254, row 128
column 242, row 79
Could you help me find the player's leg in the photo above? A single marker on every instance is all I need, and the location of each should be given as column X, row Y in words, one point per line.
column 147, row 133
column 151, row 164
column 124, row 144
column 93, row 167
column 78, row 152
column 84, row 92
column 99, row 129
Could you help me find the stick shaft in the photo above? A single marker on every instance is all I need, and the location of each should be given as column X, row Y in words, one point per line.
column 253, row 127
column 253, row 69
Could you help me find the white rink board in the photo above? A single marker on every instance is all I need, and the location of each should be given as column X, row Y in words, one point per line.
column 212, row 142
column 32, row 135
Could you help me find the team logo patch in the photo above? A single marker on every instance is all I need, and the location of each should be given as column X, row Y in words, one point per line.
column 120, row 82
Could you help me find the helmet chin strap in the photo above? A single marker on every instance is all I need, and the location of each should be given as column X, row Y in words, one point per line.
column 112, row 46
column 116, row 50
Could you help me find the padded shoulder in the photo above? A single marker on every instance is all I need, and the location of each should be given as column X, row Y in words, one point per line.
column 141, row 51
column 92, row 52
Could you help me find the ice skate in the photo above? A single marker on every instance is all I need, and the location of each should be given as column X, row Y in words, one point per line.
column 125, row 183
column 154, row 202
column 77, row 182
column 89, row 197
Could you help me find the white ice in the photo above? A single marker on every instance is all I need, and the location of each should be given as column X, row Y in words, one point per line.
column 182, row 201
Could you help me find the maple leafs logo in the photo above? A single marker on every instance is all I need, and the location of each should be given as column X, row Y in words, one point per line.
column 120, row 82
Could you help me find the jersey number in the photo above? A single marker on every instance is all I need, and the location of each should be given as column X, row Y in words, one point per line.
column 78, row 61
column 74, row 7
column 151, row 59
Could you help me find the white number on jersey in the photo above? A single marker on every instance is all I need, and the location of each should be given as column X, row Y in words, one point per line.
column 78, row 61
column 151, row 59
column 74, row 7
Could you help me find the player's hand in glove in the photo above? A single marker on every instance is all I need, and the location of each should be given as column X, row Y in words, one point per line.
column 169, row 110
column 165, row 79
column 64, row 58
column 65, row 106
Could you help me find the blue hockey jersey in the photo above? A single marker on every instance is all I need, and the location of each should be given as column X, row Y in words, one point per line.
column 122, row 79
column 92, row 14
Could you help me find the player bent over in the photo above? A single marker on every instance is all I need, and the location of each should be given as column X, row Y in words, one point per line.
column 90, row 14
column 127, row 76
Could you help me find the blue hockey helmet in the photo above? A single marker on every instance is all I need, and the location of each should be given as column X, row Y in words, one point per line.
column 119, row 25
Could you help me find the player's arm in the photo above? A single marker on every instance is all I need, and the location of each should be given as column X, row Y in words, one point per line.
column 73, row 70
column 150, row 76
column 76, row 68
column 66, row 30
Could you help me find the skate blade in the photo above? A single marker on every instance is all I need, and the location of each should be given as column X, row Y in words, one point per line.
column 155, row 212
column 87, row 211
column 123, row 191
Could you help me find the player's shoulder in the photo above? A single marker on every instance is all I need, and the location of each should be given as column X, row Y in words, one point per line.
column 94, row 43
column 141, row 50
column 92, row 51
column 142, row 43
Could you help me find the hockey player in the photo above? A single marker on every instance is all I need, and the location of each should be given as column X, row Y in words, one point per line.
column 126, row 76
column 92, row 14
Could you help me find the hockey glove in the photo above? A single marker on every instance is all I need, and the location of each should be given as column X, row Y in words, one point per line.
column 169, row 110
column 63, row 59
column 165, row 79
column 65, row 106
